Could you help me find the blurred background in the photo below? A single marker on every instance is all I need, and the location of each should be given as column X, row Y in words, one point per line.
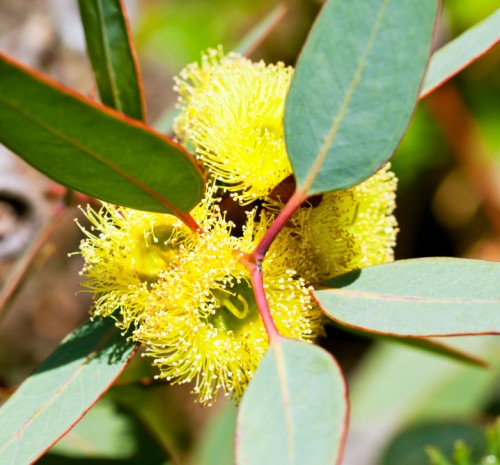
column 448, row 205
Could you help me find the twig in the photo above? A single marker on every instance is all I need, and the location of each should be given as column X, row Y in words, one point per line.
column 25, row 264
column 255, row 260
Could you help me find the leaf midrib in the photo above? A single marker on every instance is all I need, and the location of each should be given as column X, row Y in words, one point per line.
column 309, row 181
column 108, row 64
column 374, row 296
column 59, row 134
column 286, row 401
column 57, row 392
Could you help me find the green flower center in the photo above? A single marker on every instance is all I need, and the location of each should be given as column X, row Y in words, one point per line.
column 154, row 253
column 237, row 308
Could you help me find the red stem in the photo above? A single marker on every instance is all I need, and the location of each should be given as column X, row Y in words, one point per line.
column 260, row 298
column 255, row 260
column 296, row 200
column 190, row 222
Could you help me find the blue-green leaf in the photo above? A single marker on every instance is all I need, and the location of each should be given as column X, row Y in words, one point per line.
column 355, row 87
column 295, row 409
column 420, row 297
column 61, row 390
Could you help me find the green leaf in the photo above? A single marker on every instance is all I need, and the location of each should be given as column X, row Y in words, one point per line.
column 91, row 148
column 355, row 87
column 216, row 445
column 457, row 54
column 436, row 457
column 420, row 297
column 62, row 390
column 111, row 51
column 294, row 410
column 408, row 447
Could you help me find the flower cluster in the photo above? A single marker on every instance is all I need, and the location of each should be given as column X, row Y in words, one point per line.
column 186, row 296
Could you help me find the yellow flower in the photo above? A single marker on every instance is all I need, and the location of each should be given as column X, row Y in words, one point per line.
column 232, row 111
column 188, row 298
column 346, row 230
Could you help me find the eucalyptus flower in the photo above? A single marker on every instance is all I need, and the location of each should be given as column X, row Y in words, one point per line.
column 232, row 112
column 187, row 296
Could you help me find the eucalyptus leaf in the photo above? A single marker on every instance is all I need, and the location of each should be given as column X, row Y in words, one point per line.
column 419, row 297
column 460, row 52
column 354, row 90
column 61, row 390
column 91, row 148
column 294, row 410
column 111, row 51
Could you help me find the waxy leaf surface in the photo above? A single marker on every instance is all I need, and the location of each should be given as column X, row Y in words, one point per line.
column 294, row 410
column 110, row 48
column 91, row 148
column 61, row 390
column 456, row 55
column 355, row 87
column 420, row 297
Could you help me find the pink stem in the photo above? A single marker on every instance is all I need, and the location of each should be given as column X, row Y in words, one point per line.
column 255, row 260
column 260, row 298
column 296, row 200
column 190, row 222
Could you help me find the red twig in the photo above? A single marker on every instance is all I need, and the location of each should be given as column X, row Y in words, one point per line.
column 19, row 274
column 254, row 262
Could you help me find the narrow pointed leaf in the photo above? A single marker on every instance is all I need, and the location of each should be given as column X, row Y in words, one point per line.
column 294, row 410
column 355, row 87
column 91, row 148
column 420, row 297
column 111, row 51
column 61, row 390
column 456, row 55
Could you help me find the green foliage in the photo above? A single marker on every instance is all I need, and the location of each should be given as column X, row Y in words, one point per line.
column 408, row 446
column 111, row 52
column 356, row 85
column 92, row 149
column 61, row 390
column 462, row 453
column 421, row 297
column 294, row 410
column 351, row 100
column 462, row 51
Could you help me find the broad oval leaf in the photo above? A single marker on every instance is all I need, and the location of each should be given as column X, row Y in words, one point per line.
column 460, row 52
column 91, row 148
column 62, row 390
column 419, row 297
column 355, row 87
column 294, row 410
column 110, row 48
